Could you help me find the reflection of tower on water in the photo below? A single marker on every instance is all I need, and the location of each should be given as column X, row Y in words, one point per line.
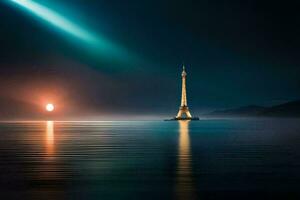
column 185, row 189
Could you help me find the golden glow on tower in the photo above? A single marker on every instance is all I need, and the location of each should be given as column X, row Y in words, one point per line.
column 183, row 112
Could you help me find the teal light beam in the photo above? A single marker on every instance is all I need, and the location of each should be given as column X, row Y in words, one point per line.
column 96, row 42
column 55, row 19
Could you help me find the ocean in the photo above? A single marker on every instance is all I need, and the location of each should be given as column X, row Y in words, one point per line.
column 206, row 159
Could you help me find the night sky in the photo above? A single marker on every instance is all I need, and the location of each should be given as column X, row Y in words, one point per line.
column 236, row 53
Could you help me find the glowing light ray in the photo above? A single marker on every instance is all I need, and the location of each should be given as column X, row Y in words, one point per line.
column 55, row 19
column 97, row 42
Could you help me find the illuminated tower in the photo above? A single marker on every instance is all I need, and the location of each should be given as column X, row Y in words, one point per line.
column 183, row 112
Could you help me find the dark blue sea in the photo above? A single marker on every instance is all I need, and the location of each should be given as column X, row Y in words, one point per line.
column 206, row 159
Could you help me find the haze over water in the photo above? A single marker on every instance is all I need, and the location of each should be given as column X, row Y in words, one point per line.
column 207, row 159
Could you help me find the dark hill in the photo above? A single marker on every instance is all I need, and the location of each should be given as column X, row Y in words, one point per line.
column 290, row 109
column 241, row 111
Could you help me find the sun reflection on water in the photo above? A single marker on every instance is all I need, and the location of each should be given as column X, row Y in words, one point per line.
column 50, row 139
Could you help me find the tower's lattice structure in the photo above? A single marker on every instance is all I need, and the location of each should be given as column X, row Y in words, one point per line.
column 183, row 112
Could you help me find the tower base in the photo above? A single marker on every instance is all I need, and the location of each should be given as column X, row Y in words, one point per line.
column 183, row 112
column 183, row 118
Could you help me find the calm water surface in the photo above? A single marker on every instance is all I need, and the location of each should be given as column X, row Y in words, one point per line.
column 208, row 159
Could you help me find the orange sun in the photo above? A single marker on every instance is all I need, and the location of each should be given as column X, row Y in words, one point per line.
column 49, row 107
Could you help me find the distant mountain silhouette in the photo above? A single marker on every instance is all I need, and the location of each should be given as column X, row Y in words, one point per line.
column 241, row 111
column 290, row 109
